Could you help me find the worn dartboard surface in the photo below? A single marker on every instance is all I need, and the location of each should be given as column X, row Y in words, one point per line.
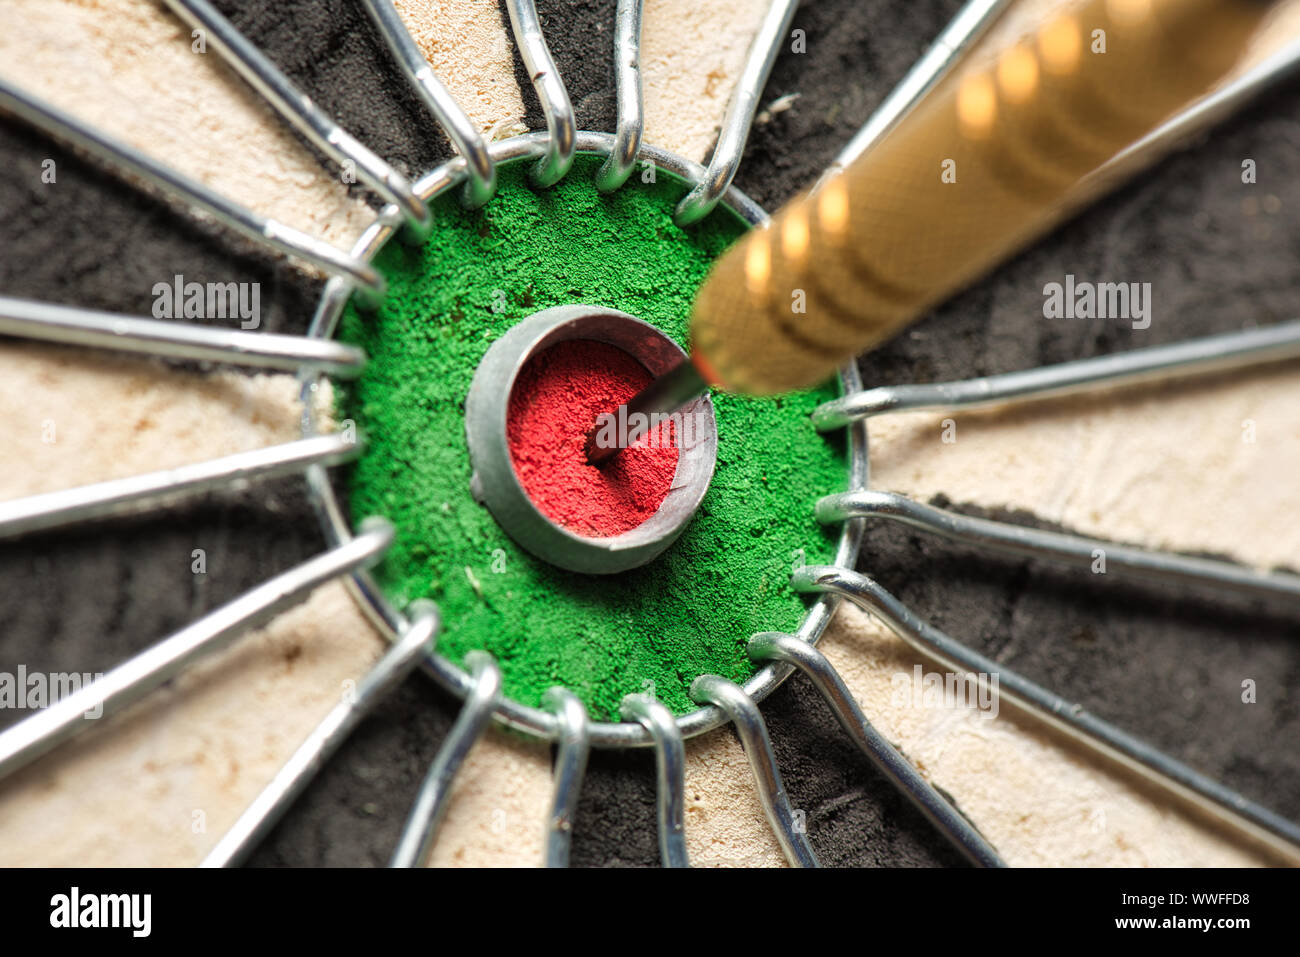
column 1163, row 467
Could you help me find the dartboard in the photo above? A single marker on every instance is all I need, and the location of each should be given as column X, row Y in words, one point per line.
column 311, row 580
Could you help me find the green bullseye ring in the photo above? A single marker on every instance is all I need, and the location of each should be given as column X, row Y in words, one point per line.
column 654, row 628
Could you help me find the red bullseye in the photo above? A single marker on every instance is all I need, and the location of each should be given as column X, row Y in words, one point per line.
column 535, row 397
column 557, row 396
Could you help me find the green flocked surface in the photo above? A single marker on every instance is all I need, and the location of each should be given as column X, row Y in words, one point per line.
column 651, row 629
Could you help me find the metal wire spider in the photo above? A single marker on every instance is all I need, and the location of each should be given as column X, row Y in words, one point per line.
column 563, row 719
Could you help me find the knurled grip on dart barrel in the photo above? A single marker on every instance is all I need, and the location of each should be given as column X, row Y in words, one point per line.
column 976, row 170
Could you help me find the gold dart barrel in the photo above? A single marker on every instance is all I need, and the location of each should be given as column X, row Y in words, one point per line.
column 977, row 169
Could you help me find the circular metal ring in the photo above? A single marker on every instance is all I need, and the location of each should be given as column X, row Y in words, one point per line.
column 497, row 484
column 390, row 621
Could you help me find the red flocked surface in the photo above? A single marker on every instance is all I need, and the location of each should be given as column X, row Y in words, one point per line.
column 557, row 396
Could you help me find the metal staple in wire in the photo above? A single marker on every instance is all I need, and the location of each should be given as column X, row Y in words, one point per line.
column 742, row 710
column 296, row 108
column 157, row 337
column 460, row 129
column 431, row 802
column 305, row 763
column 124, row 496
column 573, row 745
column 133, row 679
column 560, row 123
column 1201, row 356
column 965, row 29
column 1058, row 546
column 179, row 187
column 950, row 822
column 736, row 122
column 1220, row 103
column 614, row 172
column 1196, row 357
column 670, row 774
column 1227, row 806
